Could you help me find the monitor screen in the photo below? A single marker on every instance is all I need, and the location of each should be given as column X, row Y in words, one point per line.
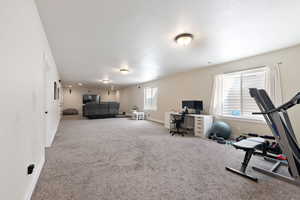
column 90, row 98
column 197, row 105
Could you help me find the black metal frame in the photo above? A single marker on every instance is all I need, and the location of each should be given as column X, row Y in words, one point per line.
column 242, row 171
column 281, row 127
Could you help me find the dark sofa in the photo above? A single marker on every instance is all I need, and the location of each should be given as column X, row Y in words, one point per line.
column 102, row 110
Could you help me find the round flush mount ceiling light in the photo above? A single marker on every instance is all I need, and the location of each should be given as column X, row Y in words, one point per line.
column 184, row 39
column 105, row 81
column 124, row 70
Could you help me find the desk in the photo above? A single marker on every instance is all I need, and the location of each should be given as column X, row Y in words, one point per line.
column 200, row 124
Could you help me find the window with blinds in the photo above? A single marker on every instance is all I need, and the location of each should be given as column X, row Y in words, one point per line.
column 236, row 100
column 150, row 98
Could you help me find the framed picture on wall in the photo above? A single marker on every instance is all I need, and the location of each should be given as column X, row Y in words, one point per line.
column 55, row 90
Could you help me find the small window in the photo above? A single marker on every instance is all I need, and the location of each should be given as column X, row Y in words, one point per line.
column 235, row 97
column 150, row 98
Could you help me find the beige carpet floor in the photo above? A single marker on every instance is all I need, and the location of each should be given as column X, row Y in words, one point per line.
column 121, row 159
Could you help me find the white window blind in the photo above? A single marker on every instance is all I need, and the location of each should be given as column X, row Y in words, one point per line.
column 236, row 100
column 231, row 94
column 254, row 79
column 150, row 98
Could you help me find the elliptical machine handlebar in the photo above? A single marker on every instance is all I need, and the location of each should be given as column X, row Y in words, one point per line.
column 294, row 101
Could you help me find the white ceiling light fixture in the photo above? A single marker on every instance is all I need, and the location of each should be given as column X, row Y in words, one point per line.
column 105, row 81
column 124, row 70
column 80, row 84
column 184, row 39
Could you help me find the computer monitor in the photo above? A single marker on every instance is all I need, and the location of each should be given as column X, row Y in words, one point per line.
column 193, row 104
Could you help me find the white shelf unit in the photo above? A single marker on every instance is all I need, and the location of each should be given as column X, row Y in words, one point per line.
column 202, row 124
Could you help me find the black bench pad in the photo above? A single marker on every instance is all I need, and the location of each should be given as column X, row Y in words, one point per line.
column 249, row 143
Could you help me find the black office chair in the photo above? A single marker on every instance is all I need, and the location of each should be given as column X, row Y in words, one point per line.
column 178, row 121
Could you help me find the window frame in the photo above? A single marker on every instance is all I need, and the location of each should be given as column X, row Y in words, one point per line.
column 150, row 106
column 247, row 118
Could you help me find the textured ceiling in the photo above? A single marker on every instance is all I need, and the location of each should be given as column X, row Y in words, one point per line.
column 92, row 39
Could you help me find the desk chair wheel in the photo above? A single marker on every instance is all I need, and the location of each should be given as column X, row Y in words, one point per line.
column 176, row 132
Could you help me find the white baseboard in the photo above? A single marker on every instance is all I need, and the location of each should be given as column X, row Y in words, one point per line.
column 156, row 120
column 49, row 144
column 36, row 175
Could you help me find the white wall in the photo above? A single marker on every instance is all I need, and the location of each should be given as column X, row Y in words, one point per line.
column 52, row 106
column 22, row 65
column 197, row 84
column 74, row 99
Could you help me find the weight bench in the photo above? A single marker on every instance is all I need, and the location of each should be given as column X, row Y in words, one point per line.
column 248, row 145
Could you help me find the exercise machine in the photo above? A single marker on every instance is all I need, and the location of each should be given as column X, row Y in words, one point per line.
column 281, row 127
